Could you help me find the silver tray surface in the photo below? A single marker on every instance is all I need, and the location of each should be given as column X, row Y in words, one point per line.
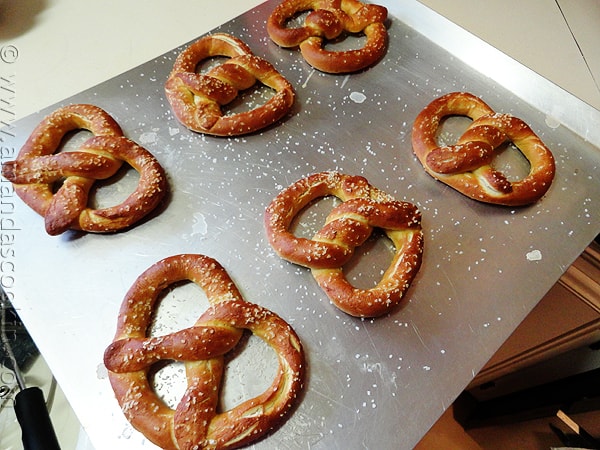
column 377, row 383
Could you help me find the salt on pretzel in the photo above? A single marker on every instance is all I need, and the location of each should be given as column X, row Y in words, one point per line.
column 328, row 20
column 38, row 169
column 467, row 166
column 197, row 98
column 196, row 423
column 348, row 225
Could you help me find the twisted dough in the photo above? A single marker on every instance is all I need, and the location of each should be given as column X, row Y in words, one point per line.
column 195, row 423
column 37, row 169
column 467, row 166
column 327, row 21
column 348, row 225
column 196, row 99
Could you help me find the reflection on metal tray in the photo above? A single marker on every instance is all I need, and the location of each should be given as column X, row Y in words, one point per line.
column 372, row 383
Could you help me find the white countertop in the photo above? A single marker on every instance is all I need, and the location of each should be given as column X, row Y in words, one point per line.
column 557, row 39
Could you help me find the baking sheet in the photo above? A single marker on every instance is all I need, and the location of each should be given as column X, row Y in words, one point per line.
column 377, row 383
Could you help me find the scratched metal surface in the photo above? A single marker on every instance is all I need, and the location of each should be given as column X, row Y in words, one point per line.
column 371, row 383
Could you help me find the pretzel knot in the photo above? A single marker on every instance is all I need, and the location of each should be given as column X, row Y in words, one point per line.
column 328, row 20
column 38, row 169
column 197, row 99
column 348, row 226
column 467, row 166
column 195, row 423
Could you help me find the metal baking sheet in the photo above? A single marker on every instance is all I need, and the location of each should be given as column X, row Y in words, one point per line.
column 371, row 383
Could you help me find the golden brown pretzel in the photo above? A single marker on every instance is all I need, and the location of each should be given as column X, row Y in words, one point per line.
column 37, row 169
column 327, row 20
column 467, row 165
column 195, row 423
column 196, row 99
column 348, row 225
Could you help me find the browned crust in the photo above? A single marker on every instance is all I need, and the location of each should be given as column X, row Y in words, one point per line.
column 195, row 423
column 38, row 167
column 348, row 225
column 327, row 20
column 196, row 99
column 466, row 166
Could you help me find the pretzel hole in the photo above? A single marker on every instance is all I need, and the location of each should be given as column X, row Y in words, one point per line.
column 114, row 190
column 509, row 160
column 178, row 307
column 206, row 64
column 70, row 142
column 312, row 217
column 167, row 379
column 346, row 42
column 370, row 261
column 297, row 20
column 451, row 128
column 73, row 140
column 250, row 369
column 249, row 99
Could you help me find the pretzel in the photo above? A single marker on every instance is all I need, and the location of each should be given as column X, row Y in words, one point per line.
column 467, row 166
column 328, row 20
column 195, row 423
column 37, row 169
column 196, row 99
column 347, row 226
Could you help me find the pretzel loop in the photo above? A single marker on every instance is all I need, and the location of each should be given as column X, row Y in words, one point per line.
column 197, row 98
column 195, row 423
column 38, row 168
column 326, row 21
column 467, row 166
column 348, row 226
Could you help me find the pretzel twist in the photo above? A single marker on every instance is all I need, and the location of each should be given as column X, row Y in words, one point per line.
column 38, row 168
column 197, row 99
column 327, row 21
column 195, row 423
column 467, row 166
column 348, row 226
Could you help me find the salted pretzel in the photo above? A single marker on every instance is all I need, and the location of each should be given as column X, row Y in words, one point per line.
column 38, row 169
column 196, row 423
column 197, row 98
column 467, row 166
column 348, row 225
column 327, row 21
